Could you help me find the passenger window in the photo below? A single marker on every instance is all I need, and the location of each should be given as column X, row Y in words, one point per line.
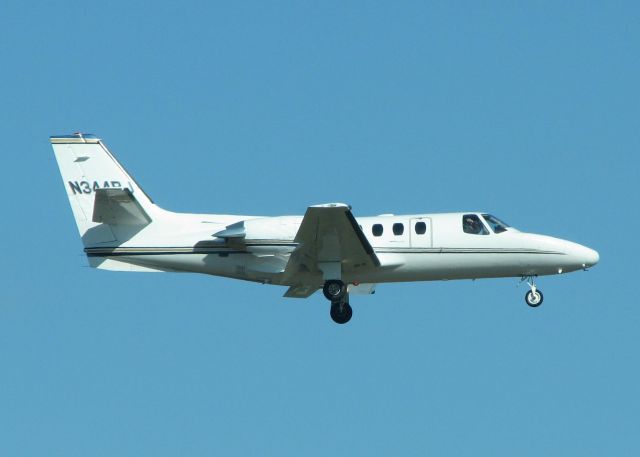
column 472, row 224
column 398, row 229
column 421, row 228
column 377, row 229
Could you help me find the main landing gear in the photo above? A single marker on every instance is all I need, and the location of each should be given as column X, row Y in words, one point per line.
column 533, row 297
column 336, row 292
column 341, row 312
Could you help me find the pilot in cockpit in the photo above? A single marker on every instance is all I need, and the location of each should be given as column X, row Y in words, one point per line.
column 472, row 225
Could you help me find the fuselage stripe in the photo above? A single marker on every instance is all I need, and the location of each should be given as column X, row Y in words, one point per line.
column 170, row 250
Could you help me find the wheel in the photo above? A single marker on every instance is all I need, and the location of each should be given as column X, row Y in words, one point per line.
column 341, row 312
column 334, row 290
column 534, row 299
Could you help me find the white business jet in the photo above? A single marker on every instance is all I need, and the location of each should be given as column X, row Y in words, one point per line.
column 327, row 248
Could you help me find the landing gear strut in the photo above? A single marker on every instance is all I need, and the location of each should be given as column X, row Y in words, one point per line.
column 534, row 297
column 336, row 292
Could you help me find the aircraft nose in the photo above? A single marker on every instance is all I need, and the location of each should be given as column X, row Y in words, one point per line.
column 586, row 256
column 592, row 257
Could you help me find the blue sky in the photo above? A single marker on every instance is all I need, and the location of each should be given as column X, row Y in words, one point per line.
column 527, row 110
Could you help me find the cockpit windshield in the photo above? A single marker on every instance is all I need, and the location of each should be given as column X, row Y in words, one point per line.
column 496, row 224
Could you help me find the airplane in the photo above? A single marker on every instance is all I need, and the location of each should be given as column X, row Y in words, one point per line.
column 328, row 248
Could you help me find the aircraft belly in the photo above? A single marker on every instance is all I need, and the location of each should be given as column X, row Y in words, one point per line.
column 233, row 265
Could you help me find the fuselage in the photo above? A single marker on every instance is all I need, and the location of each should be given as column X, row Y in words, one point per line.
column 420, row 247
column 328, row 248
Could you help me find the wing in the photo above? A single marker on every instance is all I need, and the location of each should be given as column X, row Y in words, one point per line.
column 301, row 291
column 328, row 235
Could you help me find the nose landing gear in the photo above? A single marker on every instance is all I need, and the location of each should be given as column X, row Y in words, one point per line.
column 533, row 297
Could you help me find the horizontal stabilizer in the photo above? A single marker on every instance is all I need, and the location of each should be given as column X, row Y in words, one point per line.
column 118, row 207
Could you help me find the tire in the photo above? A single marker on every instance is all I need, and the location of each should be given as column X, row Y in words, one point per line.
column 534, row 300
column 334, row 290
column 341, row 312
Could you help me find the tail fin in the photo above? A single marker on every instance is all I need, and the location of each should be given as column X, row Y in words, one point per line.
column 103, row 196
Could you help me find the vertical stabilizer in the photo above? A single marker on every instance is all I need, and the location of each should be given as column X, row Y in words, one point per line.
column 99, row 188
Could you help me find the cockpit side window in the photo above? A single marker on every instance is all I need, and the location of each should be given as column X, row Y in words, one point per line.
column 496, row 224
column 472, row 224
